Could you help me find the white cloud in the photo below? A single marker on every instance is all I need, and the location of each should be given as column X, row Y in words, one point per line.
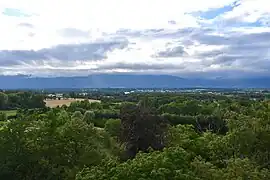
column 249, row 11
column 147, row 29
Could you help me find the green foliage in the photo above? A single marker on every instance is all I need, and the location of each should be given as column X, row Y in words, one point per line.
column 3, row 116
column 173, row 163
column 54, row 147
column 155, row 165
column 10, row 112
column 62, row 118
column 89, row 117
column 141, row 128
column 77, row 115
column 27, row 100
column 182, row 135
column 179, row 119
column 85, row 105
column 137, row 136
column 112, row 126
column 3, row 100
column 106, row 114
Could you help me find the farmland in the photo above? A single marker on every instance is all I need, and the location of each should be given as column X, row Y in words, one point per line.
column 55, row 102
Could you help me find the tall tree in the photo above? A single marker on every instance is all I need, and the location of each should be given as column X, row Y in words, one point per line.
column 141, row 128
column 3, row 100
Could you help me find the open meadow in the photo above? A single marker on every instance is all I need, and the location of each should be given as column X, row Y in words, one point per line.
column 55, row 102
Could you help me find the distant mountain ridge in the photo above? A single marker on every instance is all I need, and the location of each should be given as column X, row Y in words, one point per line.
column 128, row 81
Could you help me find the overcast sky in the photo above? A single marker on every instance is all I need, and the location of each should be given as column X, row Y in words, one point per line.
column 79, row 37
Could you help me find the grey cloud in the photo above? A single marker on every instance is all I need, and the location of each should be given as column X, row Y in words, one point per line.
column 31, row 34
column 163, row 33
column 242, row 50
column 230, row 59
column 202, row 35
column 249, row 39
column 28, row 25
column 16, row 57
column 239, row 52
column 211, row 39
column 140, row 66
column 246, row 50
column 72, row 32
column 172, row 22
column 177, row 51
column 234, row 39
column 148, row 33
column 209, row 54
column 229, row 56
column 71, row 52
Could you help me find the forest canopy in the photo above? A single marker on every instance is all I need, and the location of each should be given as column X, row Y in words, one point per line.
column 141, row 136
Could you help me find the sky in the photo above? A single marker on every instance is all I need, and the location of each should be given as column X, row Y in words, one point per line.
column 185, row 38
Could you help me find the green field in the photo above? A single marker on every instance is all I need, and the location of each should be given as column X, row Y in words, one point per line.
column 9, row 112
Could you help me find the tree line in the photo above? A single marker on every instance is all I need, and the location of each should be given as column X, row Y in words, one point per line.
column 20, row 100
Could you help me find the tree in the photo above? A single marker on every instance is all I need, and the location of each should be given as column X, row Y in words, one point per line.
column 51, row 147
column 170, row 164
column 141, row 128
column 63, row 117
column 173, row 163
column 112, row 126
column 249, row 138
column 77, row 115
column 3, row 116
column 3, row 100
column 89, row 117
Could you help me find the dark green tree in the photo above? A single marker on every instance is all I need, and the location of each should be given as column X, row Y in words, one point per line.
column 141, row 128
column 3, row 100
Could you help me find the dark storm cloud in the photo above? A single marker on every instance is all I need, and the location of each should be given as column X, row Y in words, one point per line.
column 71, row 52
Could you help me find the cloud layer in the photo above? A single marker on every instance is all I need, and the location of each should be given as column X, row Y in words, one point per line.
column 220, row 38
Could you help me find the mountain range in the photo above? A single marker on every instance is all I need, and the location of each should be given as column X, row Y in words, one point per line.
column 128, row 81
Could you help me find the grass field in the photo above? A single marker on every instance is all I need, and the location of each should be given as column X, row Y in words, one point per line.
column 55, row 103
column 9, row 112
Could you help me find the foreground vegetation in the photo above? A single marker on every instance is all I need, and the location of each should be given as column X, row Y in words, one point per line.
column 136, row 136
